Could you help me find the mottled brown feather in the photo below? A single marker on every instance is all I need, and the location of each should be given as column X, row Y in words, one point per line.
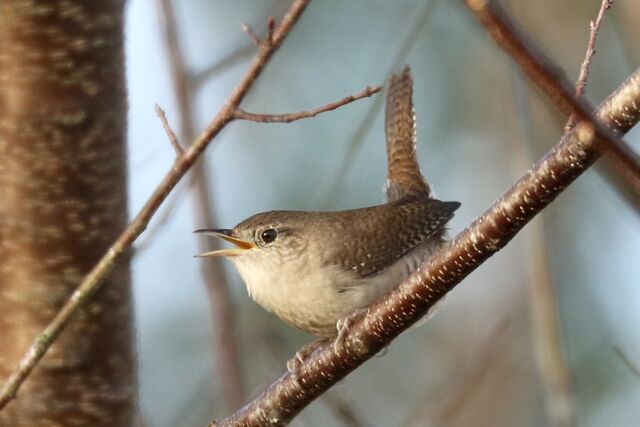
column 404, row 175
column 366, row 240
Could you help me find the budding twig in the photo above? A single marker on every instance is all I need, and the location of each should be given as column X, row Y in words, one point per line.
column 173, row 139
column 581, row 83
column 246, row 28
column 291, row 117
column 271, row 24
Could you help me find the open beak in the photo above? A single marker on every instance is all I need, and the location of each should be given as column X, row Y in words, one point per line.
column 241, row 246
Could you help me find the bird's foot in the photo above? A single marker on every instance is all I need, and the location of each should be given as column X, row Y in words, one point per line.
column 343, row 326
column 294, row 364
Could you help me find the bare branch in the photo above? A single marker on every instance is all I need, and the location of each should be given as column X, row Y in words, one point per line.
column 271, row 24
column 548, row 78
column 173, row 139
column 96, row 276
column 410, row 301
column 291, row 117
column 581, row 83
column 594, row 27
column 246, row 28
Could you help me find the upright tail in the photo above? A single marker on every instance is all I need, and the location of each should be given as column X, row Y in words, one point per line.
column 404, row 177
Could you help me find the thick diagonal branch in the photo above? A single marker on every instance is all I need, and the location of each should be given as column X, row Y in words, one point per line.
column 406, row 304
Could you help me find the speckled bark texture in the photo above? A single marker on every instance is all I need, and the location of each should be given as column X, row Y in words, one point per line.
column 62, row 202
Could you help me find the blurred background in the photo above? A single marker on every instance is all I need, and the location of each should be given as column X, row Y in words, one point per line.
column 497, row 353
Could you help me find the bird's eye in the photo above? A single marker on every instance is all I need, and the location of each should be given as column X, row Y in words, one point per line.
column 269, row 235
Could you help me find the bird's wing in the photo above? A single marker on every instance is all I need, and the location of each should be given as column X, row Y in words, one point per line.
column 404, row 175
column 385, row 233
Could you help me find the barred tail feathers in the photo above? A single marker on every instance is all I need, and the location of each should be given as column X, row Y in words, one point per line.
column 404, row 175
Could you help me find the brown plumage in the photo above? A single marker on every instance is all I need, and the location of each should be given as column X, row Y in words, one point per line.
column 314, row 268
column 366, row 240
column 403, row 176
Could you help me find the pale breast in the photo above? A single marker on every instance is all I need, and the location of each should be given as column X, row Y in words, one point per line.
column 313, row 298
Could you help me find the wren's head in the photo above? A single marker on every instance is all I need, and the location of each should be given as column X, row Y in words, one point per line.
column 262, row 238
column 264, row 245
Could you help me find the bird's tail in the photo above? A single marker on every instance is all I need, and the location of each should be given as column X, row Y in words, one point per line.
column 404, row 175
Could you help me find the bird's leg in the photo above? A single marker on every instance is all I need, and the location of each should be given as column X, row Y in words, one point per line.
column 293, row 365
column 343, row 325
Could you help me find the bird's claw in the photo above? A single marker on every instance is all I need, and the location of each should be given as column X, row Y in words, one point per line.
column 343, row 325
column 294, row 364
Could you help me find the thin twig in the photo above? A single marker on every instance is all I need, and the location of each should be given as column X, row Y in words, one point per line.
column 246, row 28
column 550, row 80
column 96, row 276
column 581, row 82
column 271, row 25
column 229, row 372
column 291, row 117
column 173, row 139
column 411, row 300
column 594, row 27
column 615, row 173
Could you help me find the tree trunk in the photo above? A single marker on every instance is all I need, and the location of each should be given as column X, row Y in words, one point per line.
column 62, row 202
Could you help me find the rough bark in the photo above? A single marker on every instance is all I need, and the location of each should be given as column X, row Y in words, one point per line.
column 62, row 202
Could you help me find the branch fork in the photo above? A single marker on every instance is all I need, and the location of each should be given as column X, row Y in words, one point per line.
column 268, row 40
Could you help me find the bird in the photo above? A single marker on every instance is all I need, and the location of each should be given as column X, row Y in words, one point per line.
column 315, row 269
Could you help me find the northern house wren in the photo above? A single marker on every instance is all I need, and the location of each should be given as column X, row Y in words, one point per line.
column 314, row 268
